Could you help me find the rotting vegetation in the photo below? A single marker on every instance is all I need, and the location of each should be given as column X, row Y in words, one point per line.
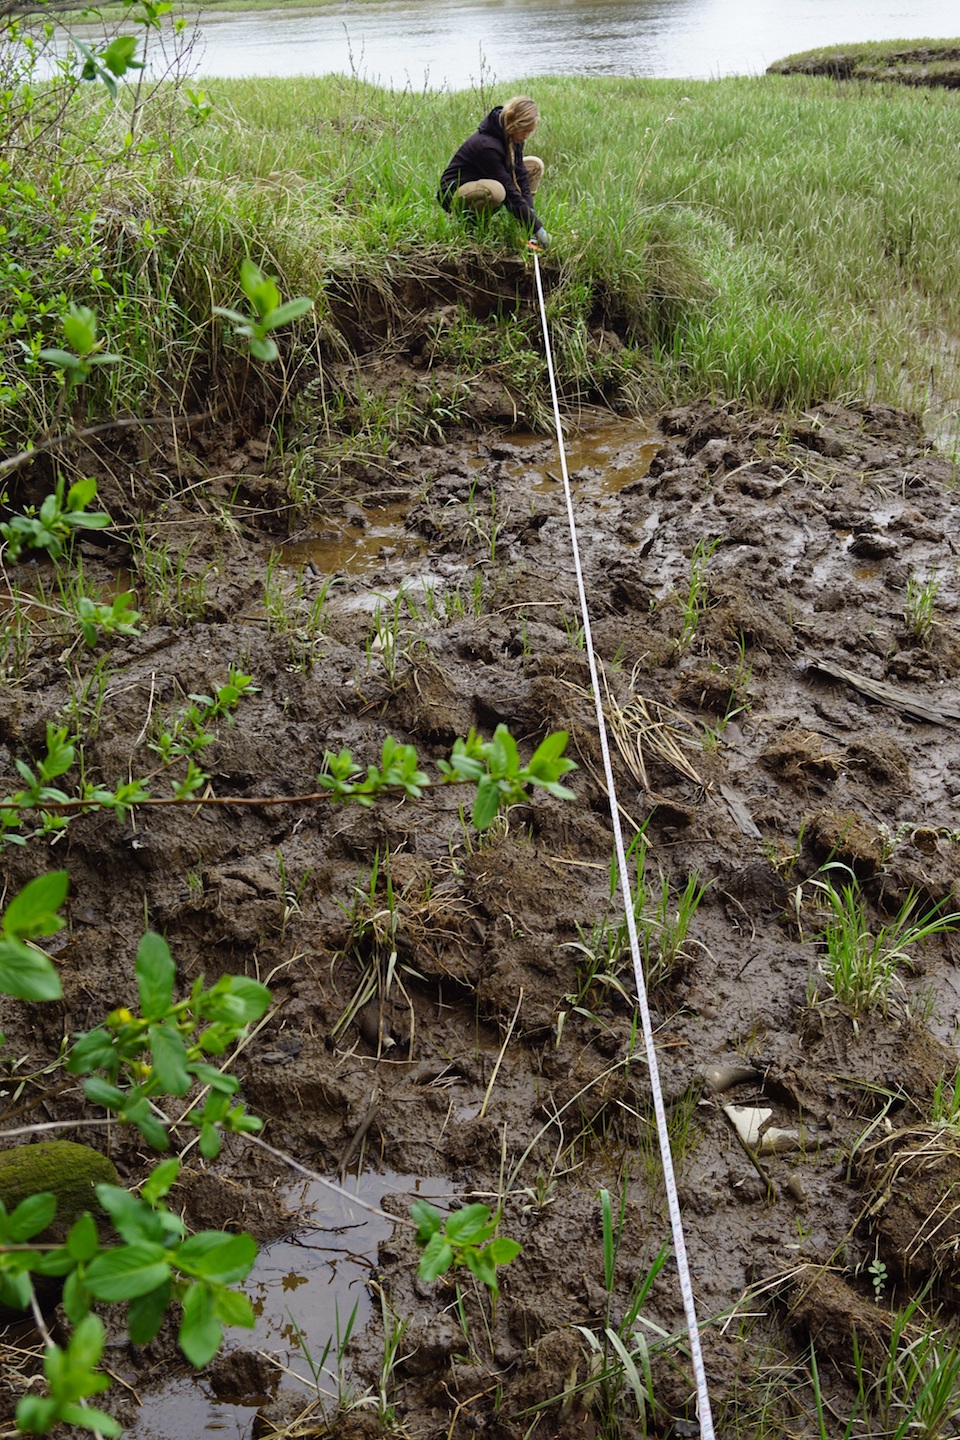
column 774, row 595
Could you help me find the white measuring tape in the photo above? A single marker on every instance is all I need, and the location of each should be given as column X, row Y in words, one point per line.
column 704, row 1413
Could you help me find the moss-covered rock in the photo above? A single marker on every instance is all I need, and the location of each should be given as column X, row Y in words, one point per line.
column 63, row 1168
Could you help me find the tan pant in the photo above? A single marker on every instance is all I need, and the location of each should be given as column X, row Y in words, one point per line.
column 490, row 194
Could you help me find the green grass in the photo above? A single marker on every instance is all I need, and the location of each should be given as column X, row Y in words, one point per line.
column 862, row 962
column 776, row 240
column 912, row 62
column 920, row 606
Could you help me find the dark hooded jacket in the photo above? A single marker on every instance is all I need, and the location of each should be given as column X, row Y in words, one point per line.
column 484, row 156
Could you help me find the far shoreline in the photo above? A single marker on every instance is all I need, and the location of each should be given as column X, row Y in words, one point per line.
column 919, row 62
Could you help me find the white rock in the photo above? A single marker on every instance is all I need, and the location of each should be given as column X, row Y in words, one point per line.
column 752, row 1124
column 748, row 1122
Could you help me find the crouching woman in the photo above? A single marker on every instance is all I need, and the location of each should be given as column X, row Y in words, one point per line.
column 490, row 168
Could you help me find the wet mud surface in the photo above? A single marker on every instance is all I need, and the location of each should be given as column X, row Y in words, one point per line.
column 781, row 715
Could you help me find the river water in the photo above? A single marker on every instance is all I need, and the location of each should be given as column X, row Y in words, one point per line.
column 459, row 43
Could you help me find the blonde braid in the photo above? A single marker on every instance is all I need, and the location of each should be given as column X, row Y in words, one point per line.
column 518, row 113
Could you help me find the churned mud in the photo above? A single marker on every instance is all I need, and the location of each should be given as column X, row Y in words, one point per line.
column 782, row 713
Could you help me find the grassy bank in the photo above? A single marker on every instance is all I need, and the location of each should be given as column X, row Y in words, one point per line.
column 773, row 240
column 913, row 62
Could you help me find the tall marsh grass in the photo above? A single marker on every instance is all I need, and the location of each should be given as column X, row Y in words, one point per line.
column 778, row 240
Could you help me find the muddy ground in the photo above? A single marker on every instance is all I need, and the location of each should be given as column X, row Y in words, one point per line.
column 802, row 722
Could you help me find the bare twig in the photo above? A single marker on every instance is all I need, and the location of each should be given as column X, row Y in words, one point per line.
column 14, row 462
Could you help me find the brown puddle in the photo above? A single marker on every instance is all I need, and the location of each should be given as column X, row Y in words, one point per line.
column 601, row 460
column 356, row 549
column 308, row 1291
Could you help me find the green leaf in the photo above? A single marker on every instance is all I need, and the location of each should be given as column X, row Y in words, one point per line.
column 80, row 329
column 152, row 1130
column 27, row 974
column 548, row 763
column 62, row 359
column 93, row 1051
column 259, row 289
column 630, row 1369
column 215, row 1255
column 155, row 972
column 210, row 1141
column 127, row 1271
column 226, row 314
column 59, row 756
column 263, row 348
column 52, row 1262
column 284, row 314
column 15, row 1289
column 503, row 1250
column 504, row 756
column 487, row 803
column 216, row 1079
column 550, row 749
column 169, row 1059
column 216, row 1108
column 85, row 1345
column 96, row 519
column 36, row 1414
column 436, row 1259
column 101, row 1092
column 88, row 1417
column 76, row 1297
column 160, row 1181
column 200, row 1330
column 240, row 1123
column 119, row 55
column 30, row 1217
column 479, row 1263
column 82, row 1239
column 553, row 787
column 33, row 911
column 235, row 999
column 138, row 1221
column 81, row 492
column 234, row 1308
column 427, row 1219
column 471, row 1225
column 132, row 1218
column 145, row 1313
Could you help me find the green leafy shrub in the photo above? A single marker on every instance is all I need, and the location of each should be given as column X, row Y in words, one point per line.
column 53, row 526
column 466, row 1238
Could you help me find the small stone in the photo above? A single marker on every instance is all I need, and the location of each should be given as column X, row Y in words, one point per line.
column 794, row 1188
column 720, row 1077
column 773, row 1140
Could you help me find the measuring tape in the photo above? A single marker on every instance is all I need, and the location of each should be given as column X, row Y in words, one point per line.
column 704, row 1413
